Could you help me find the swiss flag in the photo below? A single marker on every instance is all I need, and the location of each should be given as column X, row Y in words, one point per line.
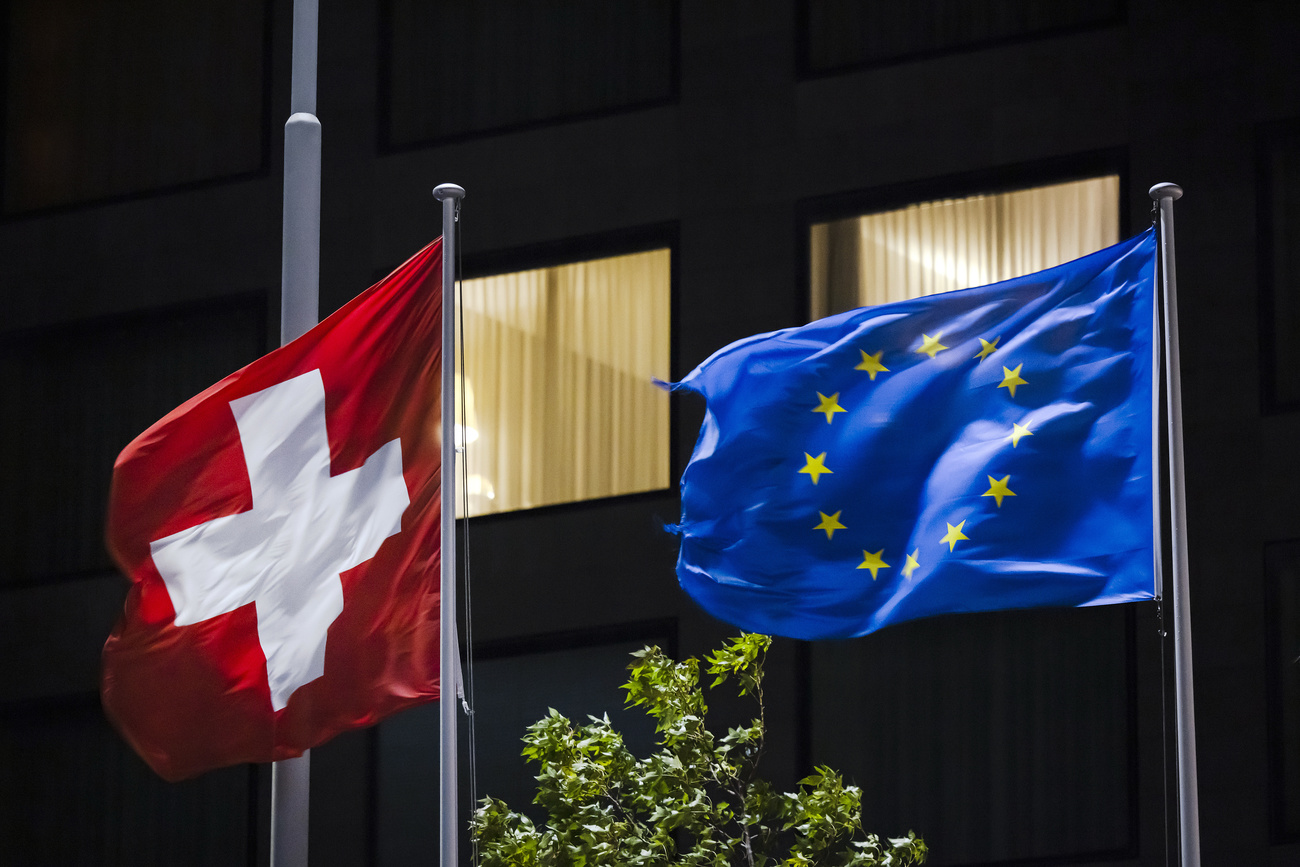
column 281, row 534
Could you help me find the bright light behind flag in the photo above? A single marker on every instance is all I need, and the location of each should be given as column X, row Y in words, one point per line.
column 982, row 449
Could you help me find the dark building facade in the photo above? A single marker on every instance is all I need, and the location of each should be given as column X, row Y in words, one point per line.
column 140, row 262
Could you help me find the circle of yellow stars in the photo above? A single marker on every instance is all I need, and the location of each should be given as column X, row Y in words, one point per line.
column 999, row 489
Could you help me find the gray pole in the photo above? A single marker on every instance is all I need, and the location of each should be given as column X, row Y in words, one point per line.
column 1189, row 823
column 449, row 649
column 299, row 311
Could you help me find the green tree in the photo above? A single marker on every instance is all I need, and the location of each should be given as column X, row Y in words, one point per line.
column 697, row 800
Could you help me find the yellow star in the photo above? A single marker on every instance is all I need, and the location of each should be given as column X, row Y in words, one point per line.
column 931, row 345
column 954, row 535
column 912, row 564
column 829, row 406
column 830, row 523
column 871, row 364
column 998, row 489
column 815, row 467
column 988, row 348
column 1011, row 378
column 873, row 562
column 1018, row 431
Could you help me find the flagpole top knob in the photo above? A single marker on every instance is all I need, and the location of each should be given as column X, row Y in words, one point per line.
column 1162, row 191
column 448, row 191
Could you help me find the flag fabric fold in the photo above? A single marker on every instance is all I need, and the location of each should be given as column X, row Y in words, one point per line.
column 281, row 535
column 981, row 449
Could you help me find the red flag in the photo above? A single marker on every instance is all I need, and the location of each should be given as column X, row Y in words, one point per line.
column 281, row 534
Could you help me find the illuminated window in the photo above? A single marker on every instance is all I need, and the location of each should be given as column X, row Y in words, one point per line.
column 995, row 708
column 560, row 365
column 955, row 243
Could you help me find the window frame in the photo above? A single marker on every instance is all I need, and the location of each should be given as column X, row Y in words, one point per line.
column 805, row 71
column 384, row 95
column 85, row 706
column 662, row 631
column 1268, row 136
column 585, row 248
column 1134, row 739
column 1275, row 554
column 897, row 195
column 261, row 306
column 901, row 194
column 263, row 169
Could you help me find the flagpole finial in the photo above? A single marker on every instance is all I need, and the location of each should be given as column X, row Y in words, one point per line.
column 453, row 191
column 1158, row 192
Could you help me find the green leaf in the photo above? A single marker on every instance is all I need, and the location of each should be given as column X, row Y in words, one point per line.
column 696, row 801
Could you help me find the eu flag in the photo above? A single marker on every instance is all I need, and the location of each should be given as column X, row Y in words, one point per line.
column 981, row 449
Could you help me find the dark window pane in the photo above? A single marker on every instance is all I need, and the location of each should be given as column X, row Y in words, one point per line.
column 71, row 398
column 1281, row 302
column 105, row 99
column 51, row 635
column 465, row 66
column 996, row 737
column 1282, row 562
column 512, row 693
column 844, row 33
column 73, row 792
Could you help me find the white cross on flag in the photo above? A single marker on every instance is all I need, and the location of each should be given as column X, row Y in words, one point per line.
column 281, row 535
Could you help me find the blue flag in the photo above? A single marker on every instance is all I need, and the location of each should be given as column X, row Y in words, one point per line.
column 982, row 449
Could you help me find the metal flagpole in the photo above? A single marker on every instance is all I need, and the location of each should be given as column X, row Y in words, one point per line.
column 449, row 648
column 299, row 311
column 1189, row 827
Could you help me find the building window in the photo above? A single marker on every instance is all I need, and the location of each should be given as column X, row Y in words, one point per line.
column 75, row 793
column 559, row 369
column 111, row 99
column 841, row 34
column 512, row 63
column 71, row 397
column 1280, row 268
column 514, row 688
column 998, row 737
column 950, row 244
column 1282, row 568
column 995, row 709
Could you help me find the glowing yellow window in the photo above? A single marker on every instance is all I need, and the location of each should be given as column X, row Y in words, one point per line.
column 559, row 368
column 950, row 244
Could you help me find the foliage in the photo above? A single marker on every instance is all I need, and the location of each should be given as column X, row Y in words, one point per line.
column 696, row 801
